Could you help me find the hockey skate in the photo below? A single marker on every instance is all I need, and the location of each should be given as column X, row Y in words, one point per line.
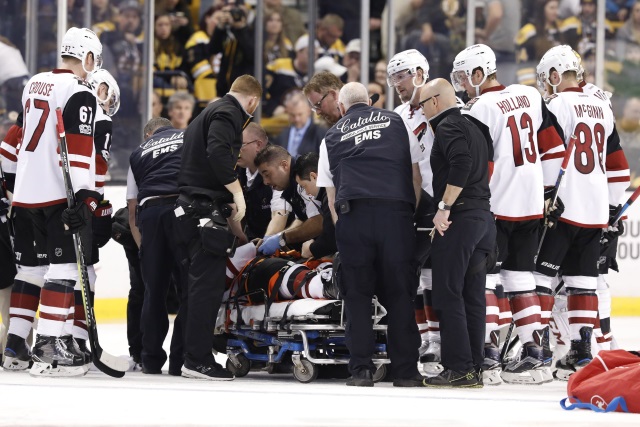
column 52, row 358
column 430, row 358
column 532, row 367
column 73, row 346
column 17, row 356
column 578, row 357
column 491, row 366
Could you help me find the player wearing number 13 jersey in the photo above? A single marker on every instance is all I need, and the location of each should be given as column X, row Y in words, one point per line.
column 597, row 176
column 526, row 151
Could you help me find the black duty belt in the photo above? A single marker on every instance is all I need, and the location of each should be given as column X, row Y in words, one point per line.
column 159, row 201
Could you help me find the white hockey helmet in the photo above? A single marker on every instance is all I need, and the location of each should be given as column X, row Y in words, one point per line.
column 78, row 42
column 580, row 73
column 408, row 60
column 112, row 101
column 559, row 58
column 476, row 56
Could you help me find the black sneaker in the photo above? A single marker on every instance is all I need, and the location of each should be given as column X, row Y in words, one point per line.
column 417, row 381
column 175, row 369
column 453, row 379
column 361, row 379
column 150, row 371
column 17, row 356
column 206, row 371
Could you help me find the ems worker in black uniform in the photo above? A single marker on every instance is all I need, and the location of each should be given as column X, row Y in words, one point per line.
column 152, row 189
column 368, row 165
column 306, row 172
column 464, row 236
column 276, row 167
column 207, row 182
column 267, row 212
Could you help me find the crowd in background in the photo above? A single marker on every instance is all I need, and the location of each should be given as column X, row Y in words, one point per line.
column 201, row 46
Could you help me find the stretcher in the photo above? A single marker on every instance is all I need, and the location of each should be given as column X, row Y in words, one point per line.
column 299, row 335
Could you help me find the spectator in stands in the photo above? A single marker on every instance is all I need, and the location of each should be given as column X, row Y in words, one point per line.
column 276, row 44
column 327, row 63
column 587, row 22
column 501, row 24
column 180, row 16
column 629, row 130
column 13, row 76
column 157, row 107
column 302, row 135
column 351, row 60
column 168, row 52
column 103, row 12
column 380, row 73
column 285, row 74
column 628, row 45
column 198, row 60
column 291, row 19
column 328, row 32
column 434, row 46
column 376, row 88
column 180, row 109
column 619, row 10
column 233, row 38
column 543, row 32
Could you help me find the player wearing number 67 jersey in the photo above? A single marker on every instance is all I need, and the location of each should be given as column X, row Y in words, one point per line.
column 597, row 176
column 526, row 151
column 40, row 194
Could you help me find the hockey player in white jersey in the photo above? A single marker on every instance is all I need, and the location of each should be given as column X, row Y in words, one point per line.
column 596, row 178
column 107, row 93
column 526, row 152
column 43, row 200
column 407, row 72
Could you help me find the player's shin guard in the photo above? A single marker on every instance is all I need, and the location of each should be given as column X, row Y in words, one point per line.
column 526, row 315
column 602, row 329
column 505, row 317
column 492, row 365
column 492, row 315
column 56, row 301
column 431, row 359
column 25, row 298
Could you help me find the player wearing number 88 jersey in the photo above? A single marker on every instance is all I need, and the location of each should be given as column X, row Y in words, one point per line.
column 526, row 151
column 597, row 176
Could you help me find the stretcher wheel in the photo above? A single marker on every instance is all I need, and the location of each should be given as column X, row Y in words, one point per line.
column 307, row 373
column 243, row 369
column 380, row 373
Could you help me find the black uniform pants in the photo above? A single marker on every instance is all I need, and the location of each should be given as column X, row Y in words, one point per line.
column 206, row 282
column 159, row 256
column 376, row 241
column 459, row 287
column 134, row 302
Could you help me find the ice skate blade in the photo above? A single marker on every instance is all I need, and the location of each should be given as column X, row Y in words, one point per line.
column 14, row 364
column 43, row 369
column 432, row 369
column 491, row 377
column 534, row 376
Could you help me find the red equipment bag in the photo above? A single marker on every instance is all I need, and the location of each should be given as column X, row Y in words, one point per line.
column 611, row 382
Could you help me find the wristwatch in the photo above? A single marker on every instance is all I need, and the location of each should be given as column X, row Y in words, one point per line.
column 282, row 242
column 443, row 207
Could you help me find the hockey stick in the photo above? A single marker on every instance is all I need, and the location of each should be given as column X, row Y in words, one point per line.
column 556, row 188
column 105, row 362
column 626, row 205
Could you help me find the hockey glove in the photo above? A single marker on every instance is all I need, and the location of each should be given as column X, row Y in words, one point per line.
column 102, row 223
column 553, row 213
column 5, row 204
column 76, row 217
column 612, row 231
column 270, row 244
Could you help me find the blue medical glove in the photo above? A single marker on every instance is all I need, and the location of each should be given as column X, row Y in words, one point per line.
column 270, row 244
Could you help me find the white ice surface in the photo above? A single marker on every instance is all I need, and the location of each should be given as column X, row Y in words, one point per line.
column 260, row 399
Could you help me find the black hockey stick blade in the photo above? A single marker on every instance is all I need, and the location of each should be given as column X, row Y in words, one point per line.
column 105, row 362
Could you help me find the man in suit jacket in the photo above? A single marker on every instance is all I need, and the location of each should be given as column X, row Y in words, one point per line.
column 303, row 136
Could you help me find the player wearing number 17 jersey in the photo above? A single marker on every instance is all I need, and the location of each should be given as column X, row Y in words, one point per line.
column 526, row 151
column 597, row 176
column 40, row 193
